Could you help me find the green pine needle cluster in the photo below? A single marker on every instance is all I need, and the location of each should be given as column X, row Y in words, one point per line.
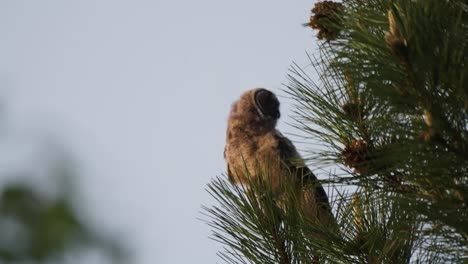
column 389, row 118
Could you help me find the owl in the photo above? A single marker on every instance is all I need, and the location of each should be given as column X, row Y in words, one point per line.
column 255, row 148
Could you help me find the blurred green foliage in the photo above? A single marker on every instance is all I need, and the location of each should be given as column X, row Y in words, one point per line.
column 49, row 225
column 37, row 228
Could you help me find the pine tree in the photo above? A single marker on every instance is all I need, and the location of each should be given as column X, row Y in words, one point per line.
column 390, row 117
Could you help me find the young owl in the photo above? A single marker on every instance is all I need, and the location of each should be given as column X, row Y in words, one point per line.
column 254, row 145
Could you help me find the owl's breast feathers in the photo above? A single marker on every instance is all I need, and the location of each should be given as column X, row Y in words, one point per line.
column 246, row 153
column 272, row 154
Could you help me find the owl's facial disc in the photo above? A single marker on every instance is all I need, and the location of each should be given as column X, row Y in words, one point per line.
column 267, row 104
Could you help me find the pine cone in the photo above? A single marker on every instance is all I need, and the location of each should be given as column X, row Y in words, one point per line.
column 326, row 19
column 358, row 156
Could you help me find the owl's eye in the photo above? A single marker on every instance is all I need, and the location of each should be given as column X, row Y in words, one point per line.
column 267, row 103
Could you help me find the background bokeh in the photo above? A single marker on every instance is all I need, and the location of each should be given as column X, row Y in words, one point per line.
column 132, row 98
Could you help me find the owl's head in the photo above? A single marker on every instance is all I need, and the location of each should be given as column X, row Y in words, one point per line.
column 256, row 109
column 266, row 103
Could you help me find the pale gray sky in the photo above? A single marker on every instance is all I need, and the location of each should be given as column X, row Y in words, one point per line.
column 139, row 92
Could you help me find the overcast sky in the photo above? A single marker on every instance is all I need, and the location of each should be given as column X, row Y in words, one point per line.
column 139, row 92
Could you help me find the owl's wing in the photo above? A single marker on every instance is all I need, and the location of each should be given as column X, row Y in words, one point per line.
column 309, row 178
column 296, row 166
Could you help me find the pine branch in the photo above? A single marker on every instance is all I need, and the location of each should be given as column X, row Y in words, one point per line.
column 388, row 120
column 379, row 78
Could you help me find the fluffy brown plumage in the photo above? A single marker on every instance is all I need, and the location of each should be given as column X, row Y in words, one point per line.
column 254, row 145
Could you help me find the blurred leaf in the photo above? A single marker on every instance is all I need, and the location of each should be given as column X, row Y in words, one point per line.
column 20, row 202
column 54, row 229
column 41, row 228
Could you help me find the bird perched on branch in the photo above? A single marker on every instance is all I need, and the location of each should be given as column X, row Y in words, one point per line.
column 254, row 148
